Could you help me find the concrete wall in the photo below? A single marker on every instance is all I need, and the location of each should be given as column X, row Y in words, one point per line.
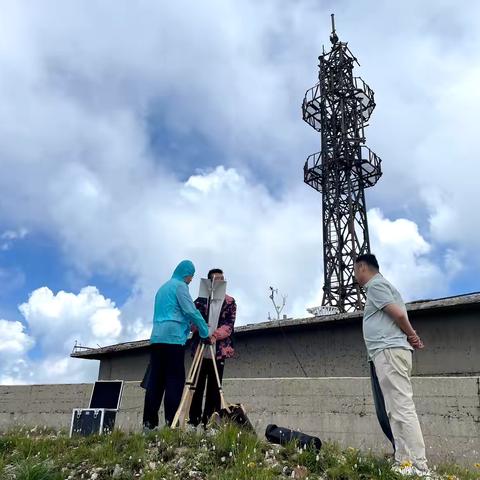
column 332, row 349
column 130, row 366
column 338, row 409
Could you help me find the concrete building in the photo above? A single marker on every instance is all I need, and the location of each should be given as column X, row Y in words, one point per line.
column 330, row 346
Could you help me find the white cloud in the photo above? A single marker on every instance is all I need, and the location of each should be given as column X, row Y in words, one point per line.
column 404, row 259
column 221, row 219
column 14, row 234
column 54, row 322
column 14, row 339
column 62, row 318
column 14, row 345
column 59, row 368
column 9, row 236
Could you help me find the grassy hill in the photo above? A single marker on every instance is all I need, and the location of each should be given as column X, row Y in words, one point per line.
column 226, row 454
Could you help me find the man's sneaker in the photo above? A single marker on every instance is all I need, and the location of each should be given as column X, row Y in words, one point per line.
column 424, row 473
column 407, row 469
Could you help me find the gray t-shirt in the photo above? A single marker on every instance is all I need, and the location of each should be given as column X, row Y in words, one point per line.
column 379, row 330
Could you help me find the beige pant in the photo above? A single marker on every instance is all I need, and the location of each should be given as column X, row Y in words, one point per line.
column 394, row 367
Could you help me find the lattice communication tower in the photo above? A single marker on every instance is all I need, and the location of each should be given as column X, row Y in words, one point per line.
column 339, row 107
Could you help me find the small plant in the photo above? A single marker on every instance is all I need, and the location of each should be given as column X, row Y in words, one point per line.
column 31, row 470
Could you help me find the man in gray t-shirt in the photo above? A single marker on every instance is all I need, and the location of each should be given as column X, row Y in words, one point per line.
column 390, row 339
column 380, row 330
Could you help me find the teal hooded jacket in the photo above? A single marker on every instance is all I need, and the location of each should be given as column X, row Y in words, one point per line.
column 175, row 311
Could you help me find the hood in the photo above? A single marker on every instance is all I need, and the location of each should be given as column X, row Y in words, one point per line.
column 184, row 269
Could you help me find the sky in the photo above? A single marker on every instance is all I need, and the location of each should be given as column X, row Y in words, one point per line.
column 136, row 134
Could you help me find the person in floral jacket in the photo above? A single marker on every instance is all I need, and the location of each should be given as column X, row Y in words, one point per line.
column 221, row 334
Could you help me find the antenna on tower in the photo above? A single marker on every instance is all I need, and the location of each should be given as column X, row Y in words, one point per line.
column 333, row 36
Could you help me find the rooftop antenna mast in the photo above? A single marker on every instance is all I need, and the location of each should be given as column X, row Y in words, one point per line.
column 339, row 107
column 278, row 307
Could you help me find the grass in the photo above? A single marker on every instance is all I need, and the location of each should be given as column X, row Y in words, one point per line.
column 226, row 454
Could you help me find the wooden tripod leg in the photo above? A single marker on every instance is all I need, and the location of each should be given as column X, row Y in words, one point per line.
column 179, row 419
column 192, row 385
column 191, row 391
column 223, row 403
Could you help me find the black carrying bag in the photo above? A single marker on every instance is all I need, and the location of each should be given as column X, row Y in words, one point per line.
column 282, row 436
column 236, row 413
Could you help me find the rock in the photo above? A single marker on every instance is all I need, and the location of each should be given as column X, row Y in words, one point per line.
column 117, row 471
column 180, row 451
column 273, row 465
column 300, row 472
column 286, row 470
column 271, row 462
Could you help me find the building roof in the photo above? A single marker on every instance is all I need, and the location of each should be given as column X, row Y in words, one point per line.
column 457, row 302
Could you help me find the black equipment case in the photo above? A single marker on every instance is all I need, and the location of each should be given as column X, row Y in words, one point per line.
column 282, row 436
column 100, row 415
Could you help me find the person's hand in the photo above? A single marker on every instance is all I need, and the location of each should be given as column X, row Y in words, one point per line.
column 415, row 341
column 209, row 340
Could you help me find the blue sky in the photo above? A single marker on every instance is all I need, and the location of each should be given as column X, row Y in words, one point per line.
column 133, row 136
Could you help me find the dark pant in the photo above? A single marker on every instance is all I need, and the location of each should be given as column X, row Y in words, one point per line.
column 380, row 405
column 212, row 398
column 167, row 376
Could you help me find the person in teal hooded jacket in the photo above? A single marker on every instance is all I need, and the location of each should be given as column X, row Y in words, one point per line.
column 173, row 315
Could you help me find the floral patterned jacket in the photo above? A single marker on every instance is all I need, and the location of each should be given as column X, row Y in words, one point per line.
column 225, row 328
